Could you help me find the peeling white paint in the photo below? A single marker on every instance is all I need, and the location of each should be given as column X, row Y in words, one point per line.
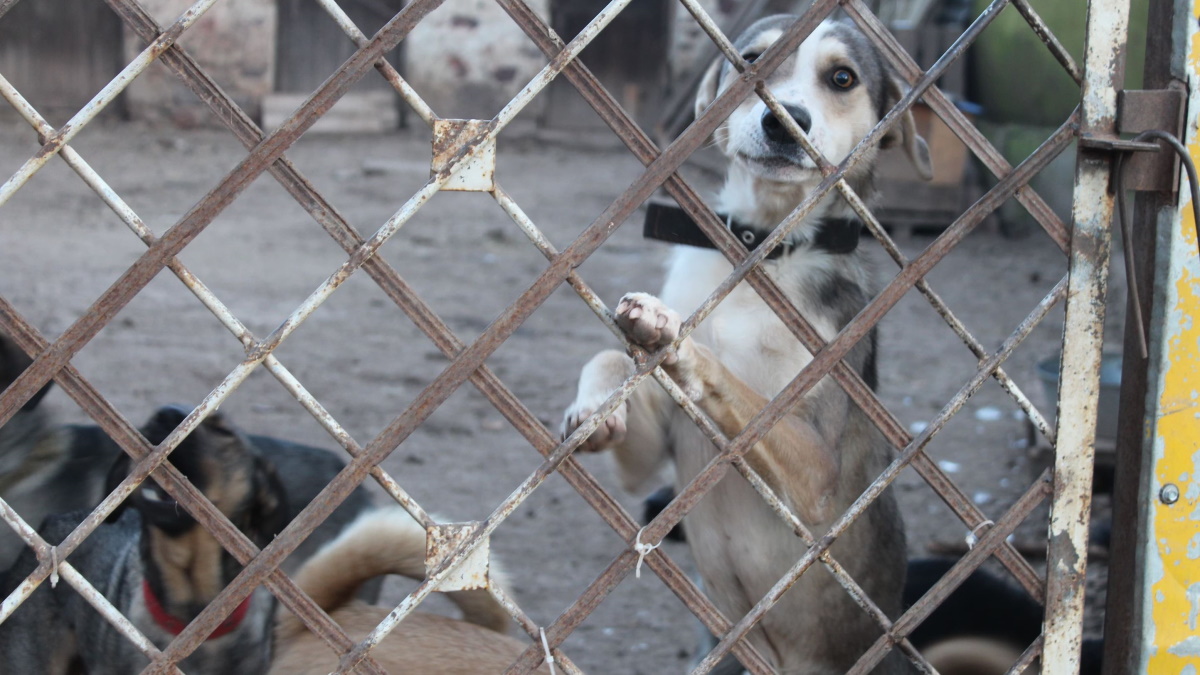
column 1189, row 647
column 1154, row 572
column 1193, row 596
column 1192, row 493
column 1092, row 207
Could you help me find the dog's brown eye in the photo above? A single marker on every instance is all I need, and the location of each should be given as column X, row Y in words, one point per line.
column 843, row 78
column 751, row 57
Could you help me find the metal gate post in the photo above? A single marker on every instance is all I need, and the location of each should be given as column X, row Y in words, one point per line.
column 1167, row 639
column 1083, row 337
column 1156, row 231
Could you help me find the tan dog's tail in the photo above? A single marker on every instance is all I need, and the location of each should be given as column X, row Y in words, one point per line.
column 382, row 541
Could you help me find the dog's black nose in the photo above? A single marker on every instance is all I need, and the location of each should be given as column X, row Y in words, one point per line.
column 171, row 414
column 164, row 421
column 775, row 130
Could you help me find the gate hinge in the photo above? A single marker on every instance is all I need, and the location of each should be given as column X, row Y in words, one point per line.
column 1146, row 169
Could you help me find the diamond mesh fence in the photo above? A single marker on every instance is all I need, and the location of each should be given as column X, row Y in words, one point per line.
column 464, row 160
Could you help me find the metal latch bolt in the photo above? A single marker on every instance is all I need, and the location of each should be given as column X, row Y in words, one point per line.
column 1145, row 168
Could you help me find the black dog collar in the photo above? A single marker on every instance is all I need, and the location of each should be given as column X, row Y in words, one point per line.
column 668, row 223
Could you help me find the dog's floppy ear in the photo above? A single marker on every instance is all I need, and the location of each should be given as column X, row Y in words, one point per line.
column 904, row 133
column 708, row 86
column 269, row 512
column 707, row 92
column 117, row 473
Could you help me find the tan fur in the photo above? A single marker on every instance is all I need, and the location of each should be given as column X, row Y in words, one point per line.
column 190, row 563
column 971, row 656
column 388, row 541
column 160, row 549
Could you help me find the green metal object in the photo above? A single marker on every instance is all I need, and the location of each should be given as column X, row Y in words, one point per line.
column 1016, row 79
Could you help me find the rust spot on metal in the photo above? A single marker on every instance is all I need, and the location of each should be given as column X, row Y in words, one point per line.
column 442, row 541
column 452, row 140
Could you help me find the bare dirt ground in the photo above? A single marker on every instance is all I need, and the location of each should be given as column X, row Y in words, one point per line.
column 60, row 248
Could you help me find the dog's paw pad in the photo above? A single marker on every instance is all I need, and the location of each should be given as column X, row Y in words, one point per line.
column 611, row 430
column 647, row 321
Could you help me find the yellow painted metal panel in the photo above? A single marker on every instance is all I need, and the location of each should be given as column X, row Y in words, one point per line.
column 1173, row 561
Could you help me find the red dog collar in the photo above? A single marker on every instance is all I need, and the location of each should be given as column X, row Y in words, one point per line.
column 175, row 626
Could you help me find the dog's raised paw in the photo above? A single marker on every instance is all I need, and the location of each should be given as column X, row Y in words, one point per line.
column 611, row 430
column 647, row 321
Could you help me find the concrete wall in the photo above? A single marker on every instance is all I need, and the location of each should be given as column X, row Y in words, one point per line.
column 688, row 41
column 234, row 42
column 468, row 58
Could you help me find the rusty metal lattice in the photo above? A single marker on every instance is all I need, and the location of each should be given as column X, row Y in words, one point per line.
column 468, row 142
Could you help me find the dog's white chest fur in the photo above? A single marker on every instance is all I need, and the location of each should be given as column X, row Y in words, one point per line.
column 742, row 328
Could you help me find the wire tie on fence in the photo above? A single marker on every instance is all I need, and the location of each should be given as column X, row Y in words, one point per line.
column 973, row 536
column 546, row 649
column 53, row 567
column 643, row 550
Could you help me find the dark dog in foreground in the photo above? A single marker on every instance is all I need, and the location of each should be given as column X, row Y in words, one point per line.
column 157, row 566
column 47, row 468
column 983, row 627
column 260, row 482
column 36, row 461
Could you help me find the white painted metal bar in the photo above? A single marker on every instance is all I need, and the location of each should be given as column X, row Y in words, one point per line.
column 60, row 138
column 1083, row 338
column 410, row 95
column 243, row 370
column 532, row 629
column 69, row 575
column 940, row 306
column 110, row 613
column 30, row 536
column 1048, row 38
column 872, row 492
column 263, row 349
column 406, row 212
column 706, row 425
column 714, row 32
column 955, row 118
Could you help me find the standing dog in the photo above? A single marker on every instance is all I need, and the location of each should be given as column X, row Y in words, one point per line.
column 157, row 566
column 823, row 454
column 388, row 541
